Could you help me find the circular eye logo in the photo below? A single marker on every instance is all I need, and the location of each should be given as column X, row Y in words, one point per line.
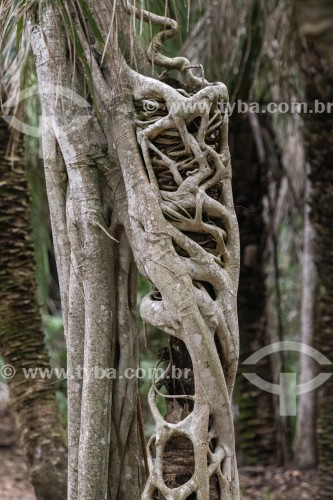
column 287, row 389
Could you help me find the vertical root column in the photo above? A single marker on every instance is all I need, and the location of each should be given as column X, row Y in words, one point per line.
column 208, row 426
column 187, row 162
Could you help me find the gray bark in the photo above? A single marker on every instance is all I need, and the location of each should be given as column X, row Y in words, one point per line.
column 184, row 240
column 305, row 448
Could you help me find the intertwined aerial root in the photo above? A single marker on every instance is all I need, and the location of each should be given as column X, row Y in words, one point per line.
column 182, row 217
column 184, row 147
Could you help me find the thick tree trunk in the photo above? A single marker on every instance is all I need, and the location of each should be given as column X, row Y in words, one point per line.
column 318, row 61
column 178, row 218
column 21, row 336
column 96, row 274
column 172, row 274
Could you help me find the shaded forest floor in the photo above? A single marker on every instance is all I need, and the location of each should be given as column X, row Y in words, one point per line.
column 276, row 483
column 256, row 482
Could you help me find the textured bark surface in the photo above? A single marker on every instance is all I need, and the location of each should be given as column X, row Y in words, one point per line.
column 21, row 336
column 96, row 273
column 319, row 147
column 185, row 273
column 158, row 180
column 95, row 276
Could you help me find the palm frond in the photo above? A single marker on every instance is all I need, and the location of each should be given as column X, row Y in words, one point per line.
column 14, row 46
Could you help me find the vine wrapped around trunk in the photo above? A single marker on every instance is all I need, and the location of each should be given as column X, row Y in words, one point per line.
column 183, row 216
column 164, row 144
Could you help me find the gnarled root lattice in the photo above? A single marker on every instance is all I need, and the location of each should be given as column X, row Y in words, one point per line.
column 192, row 253
column 183, row 216
column 165, row 142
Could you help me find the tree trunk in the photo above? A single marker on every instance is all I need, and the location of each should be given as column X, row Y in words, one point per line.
column 318, row 60
column 21, row 336
column 305, row 447
column 150, row 171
